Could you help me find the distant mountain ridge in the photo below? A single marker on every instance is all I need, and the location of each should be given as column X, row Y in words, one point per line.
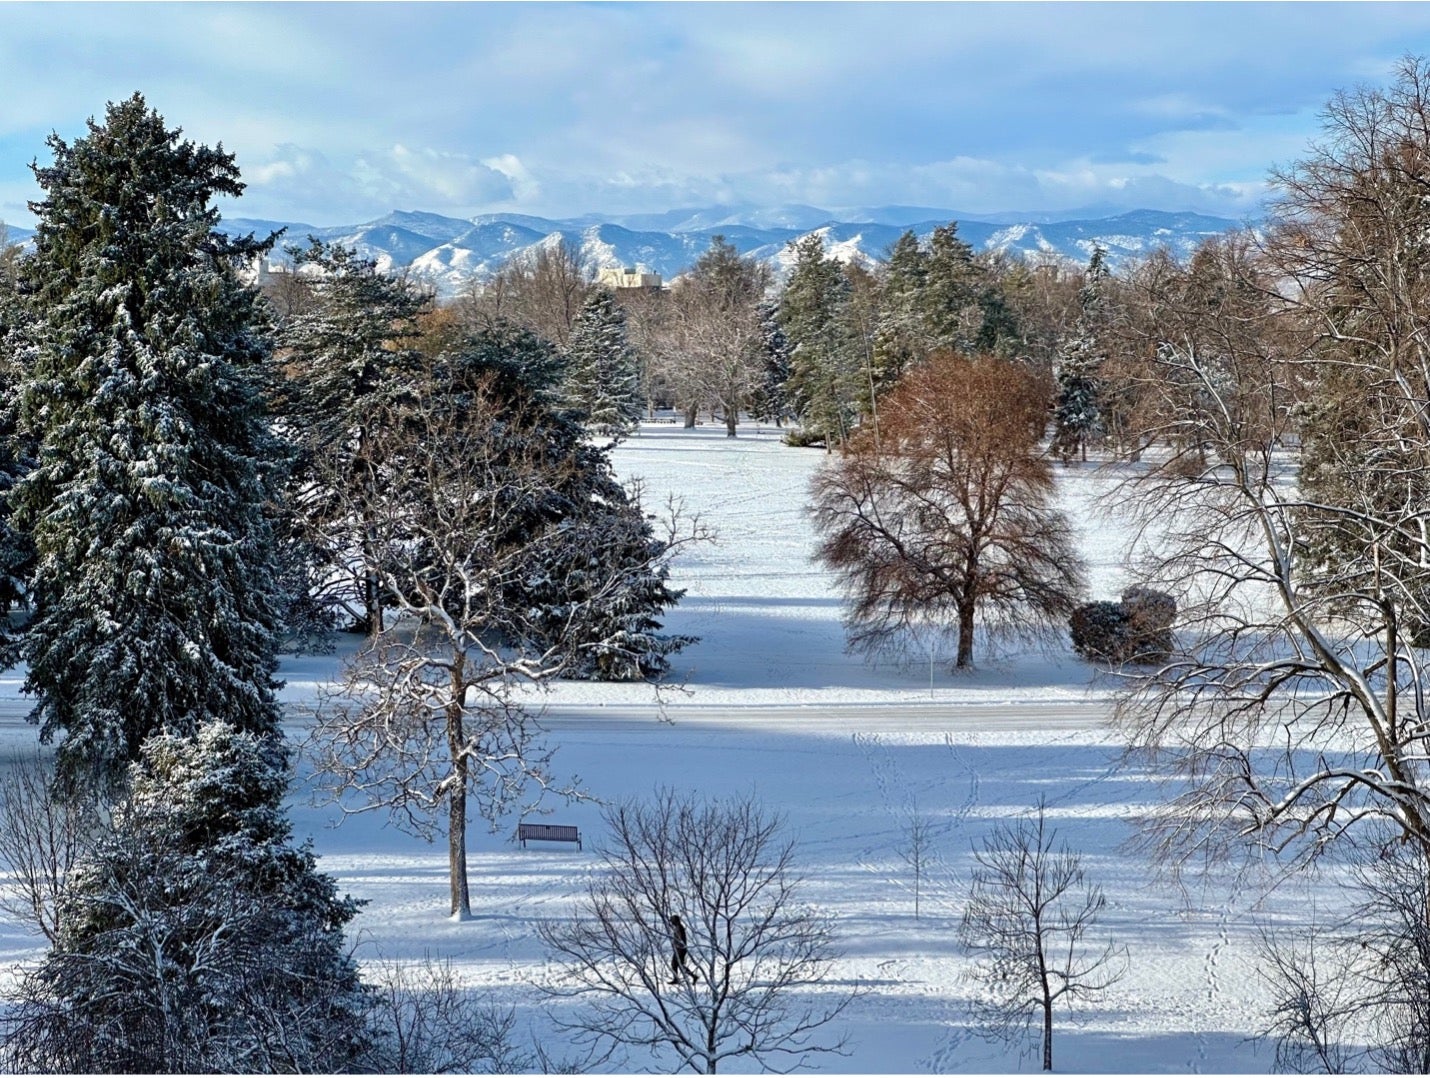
column 450, row 252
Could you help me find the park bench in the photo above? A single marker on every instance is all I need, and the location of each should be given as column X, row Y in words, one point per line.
column 548, row 832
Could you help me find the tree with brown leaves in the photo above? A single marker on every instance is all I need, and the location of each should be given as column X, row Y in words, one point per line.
column 942, row 515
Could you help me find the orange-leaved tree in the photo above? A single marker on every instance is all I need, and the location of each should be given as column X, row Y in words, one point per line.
column 942, row 515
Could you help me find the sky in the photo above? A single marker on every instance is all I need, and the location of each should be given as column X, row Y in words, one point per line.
column 340, row 113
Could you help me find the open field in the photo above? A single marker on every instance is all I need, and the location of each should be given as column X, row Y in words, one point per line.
column 846, row 752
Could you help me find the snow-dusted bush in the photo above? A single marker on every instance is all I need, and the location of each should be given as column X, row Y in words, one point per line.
column 1136, row 630
column 196, row 937
column 1149, row 619
column 1100, row 632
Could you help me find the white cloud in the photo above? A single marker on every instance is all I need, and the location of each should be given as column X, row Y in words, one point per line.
column 340, row 112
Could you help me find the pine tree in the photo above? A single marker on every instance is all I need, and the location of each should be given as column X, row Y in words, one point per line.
column 348, row 356
column 603, row 374
column 197, row 938
column 1077, row 414
column 579, row 528
column 154, row 593
column 901, row 339
column 771, row 400
column 16, row 452
column 823, row 381
column 948, row 302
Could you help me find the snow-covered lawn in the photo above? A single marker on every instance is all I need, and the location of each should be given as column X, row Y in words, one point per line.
column 771, row 704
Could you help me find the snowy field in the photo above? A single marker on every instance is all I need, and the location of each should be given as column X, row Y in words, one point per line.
column 770, row 704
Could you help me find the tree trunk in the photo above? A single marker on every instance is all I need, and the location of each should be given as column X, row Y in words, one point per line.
column 690, row 413
column 457, row 797
column 1047, row 1035
column 732, row 417
column 965, row 636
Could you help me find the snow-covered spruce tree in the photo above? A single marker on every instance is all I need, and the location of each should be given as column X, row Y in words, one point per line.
column 154, row 594
column 900, row 338
column 349, row 353
column 16, row 454
column 196, row 937
column 771, row 398
column 603, row 378
column 1077, row 414
column 824, row 376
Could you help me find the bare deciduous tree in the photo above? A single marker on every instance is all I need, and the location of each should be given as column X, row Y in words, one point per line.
column 477, row 506
column 1027, row 921
column 945, row 514
column 425, row 1021
column 1296, row 712
column 1354, row 995
column 42, row 837
column 759, row 957
column 711, row 336
column 917, row 850
column 543, row 291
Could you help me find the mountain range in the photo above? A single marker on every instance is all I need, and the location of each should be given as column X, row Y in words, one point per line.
column 449, row 252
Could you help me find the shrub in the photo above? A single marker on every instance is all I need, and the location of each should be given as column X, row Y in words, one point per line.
column 1136, row 630
column 1149, row 618
column 1100, row 632
column 803, row 439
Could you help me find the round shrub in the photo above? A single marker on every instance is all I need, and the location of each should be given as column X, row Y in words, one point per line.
column 1101, row 632
column 1149, row 616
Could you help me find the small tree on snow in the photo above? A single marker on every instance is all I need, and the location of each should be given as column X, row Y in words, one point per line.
column 1026, row 923
column 42, row 838
column 757, row 953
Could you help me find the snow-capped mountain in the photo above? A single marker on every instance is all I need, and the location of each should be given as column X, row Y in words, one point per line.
column 451, row 252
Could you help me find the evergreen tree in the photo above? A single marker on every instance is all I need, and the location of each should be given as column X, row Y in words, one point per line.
column 771, row 401
column 823, row 381
column 948, row 302
column 1077, row 414
column 154, row 593
column 197, row 938
column 603, row 379
column 595, row 529
column 16, row 452
column 901, row 339
column 349, row 355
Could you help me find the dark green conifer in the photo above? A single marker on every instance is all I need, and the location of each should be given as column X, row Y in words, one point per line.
column 153, row 588
column 603, row 378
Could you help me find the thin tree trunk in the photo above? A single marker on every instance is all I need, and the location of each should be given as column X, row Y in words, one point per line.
column 457, row 797
column 1047, row 1035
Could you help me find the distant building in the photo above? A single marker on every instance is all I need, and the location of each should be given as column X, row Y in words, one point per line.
column 630, row 277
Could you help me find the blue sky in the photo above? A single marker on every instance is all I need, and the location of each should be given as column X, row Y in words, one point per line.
column 338, row 113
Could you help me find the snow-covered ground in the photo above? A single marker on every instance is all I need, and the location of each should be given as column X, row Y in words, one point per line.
column 771, row 704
